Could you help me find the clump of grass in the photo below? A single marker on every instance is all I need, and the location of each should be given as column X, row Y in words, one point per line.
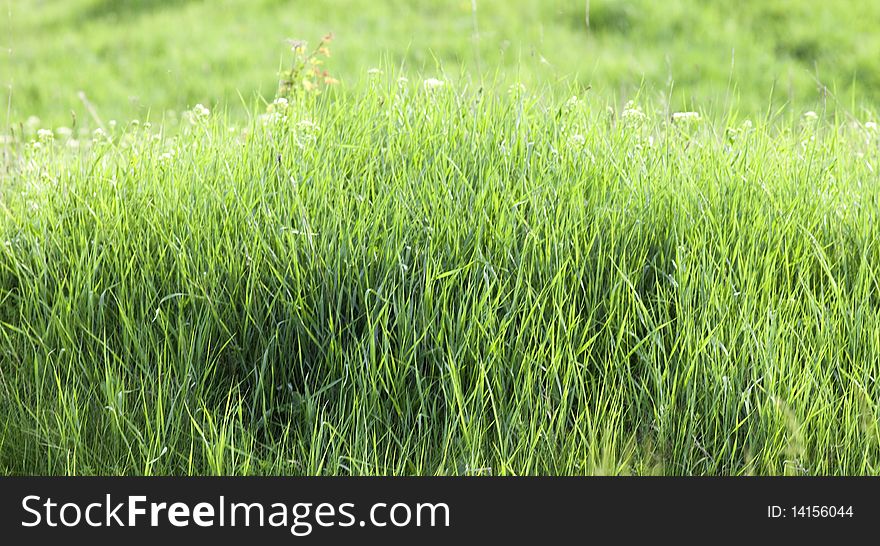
column 426, row 280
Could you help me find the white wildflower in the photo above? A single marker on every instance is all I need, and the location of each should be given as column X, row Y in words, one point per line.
column 433, row 83
column 280, row 103
column 112, row 123
column 271, row 118
column 632, row 112
column 577, row 140
column 871, row 126
column 200, row 111
column 166, row 157
column 686, row 116
column 374, row 71
column 307, row 133
column 572, row 103
column 198, row 114
column 99, row 134
column 73, row 144
column 811, row 115
column 45, row 135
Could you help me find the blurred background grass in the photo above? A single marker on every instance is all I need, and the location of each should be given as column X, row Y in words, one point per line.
column 138, row 58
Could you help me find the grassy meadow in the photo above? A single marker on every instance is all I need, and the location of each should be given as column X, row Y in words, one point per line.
column 489, row 240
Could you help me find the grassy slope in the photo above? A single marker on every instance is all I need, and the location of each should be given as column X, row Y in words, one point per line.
column 436, row 283
column 132, row 57
column 445, row 282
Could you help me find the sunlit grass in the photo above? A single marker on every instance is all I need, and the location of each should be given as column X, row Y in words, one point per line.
column 431, row 280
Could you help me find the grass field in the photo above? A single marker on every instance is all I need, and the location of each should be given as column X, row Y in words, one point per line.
column 502, row 243
column 135, row 58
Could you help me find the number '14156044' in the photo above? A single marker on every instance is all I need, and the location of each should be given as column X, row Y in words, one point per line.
column 810, row 511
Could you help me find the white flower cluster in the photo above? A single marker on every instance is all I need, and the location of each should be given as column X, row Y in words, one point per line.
column 201, row 111
column 632, row 113
column 166, row 157
column 577, row 140
column 736, row 133
column 276, row 113
column 271, row 118
column 572, row 103
column 306, row 133
column 432, row 83
column 686, row 117
column 199, row 114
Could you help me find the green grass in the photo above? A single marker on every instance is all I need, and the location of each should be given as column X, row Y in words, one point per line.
column 515, row 273
column 139, row 58
column 441, row 282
